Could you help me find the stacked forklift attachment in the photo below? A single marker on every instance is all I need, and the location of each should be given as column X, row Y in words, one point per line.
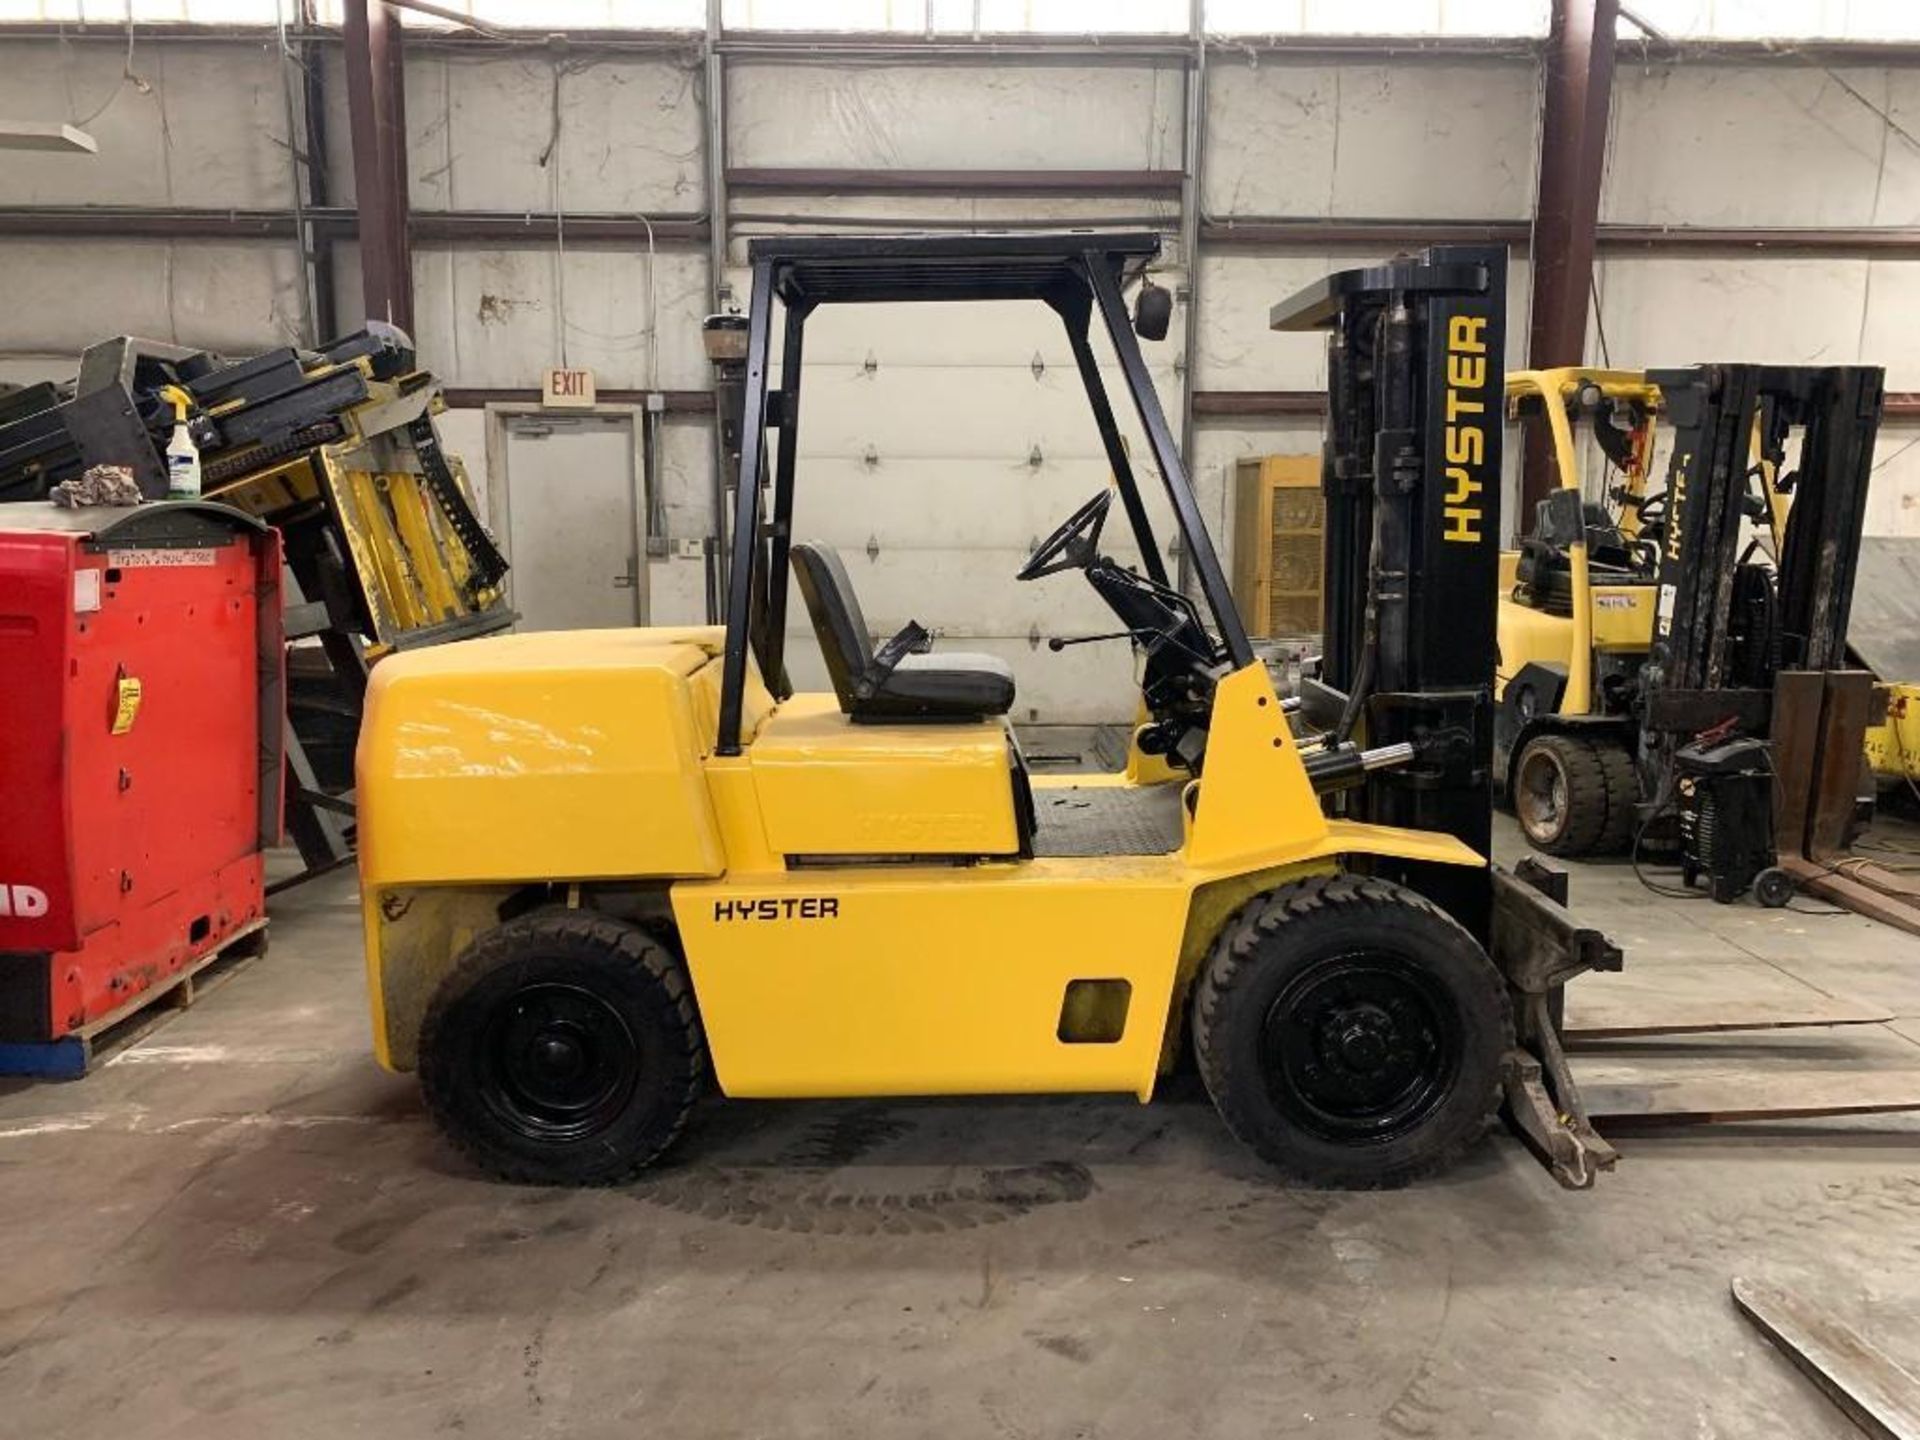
column 338, row 451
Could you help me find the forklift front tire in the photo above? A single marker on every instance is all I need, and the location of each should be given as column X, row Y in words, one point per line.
column 1351, row 1033
column 563, row 1049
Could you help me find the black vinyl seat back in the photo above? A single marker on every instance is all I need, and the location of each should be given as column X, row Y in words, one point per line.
column 898, row 683
column 1544, row 577
column 845, row 640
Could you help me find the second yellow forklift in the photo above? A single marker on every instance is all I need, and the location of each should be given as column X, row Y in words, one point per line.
column 1642, row 624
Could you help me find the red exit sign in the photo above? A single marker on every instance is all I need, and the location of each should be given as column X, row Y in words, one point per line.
column 567, row 389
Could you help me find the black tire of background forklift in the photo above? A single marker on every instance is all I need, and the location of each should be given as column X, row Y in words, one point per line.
column 1564, row 796
column 1623, row 796
column 563, row 1049
column 1338, row 946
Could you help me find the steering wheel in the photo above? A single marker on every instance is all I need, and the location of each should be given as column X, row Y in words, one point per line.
column 1074, row 544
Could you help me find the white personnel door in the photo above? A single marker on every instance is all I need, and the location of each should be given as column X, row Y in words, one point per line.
column 574, row 508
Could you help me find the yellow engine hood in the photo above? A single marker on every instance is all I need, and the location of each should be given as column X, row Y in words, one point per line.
column 570, row 755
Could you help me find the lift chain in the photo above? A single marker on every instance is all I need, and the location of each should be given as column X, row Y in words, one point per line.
column 244, row 462
column 489, row 565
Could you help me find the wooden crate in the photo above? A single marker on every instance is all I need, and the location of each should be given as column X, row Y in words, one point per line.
column 1279, row 517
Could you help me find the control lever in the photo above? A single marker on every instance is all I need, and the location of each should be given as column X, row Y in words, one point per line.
column 1058, row 642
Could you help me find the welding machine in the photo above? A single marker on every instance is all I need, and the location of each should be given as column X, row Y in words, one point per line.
column 140, row 760
column 1724, row 793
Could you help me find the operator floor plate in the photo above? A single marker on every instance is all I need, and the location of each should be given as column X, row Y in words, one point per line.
column 1107, row 820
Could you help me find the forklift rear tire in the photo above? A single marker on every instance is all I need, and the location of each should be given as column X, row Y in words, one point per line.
column 1574, row 796
column 1351, row 1033
column 1623, row 797
column 563, row 1049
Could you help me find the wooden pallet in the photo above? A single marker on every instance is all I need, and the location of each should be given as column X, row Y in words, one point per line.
column 74, row 1054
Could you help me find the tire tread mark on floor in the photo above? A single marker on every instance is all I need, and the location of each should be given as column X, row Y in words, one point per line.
column 838, row 1140
column 773, row 1197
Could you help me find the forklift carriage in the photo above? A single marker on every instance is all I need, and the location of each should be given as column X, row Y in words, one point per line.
column 600, row 866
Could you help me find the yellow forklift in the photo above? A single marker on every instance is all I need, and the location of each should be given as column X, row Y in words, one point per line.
column 1576, row 615
column 1884, row 633
column 1642, row 631
column 605, row 870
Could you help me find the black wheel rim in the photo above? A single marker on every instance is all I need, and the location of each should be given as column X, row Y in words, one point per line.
column 557, row 1062
column 1361, row 1047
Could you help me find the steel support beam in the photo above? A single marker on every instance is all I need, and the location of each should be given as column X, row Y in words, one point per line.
column 313, row 110
column 494, row 228
column 1257, row 404
column 1192, row 212
column 1573, row 156
column 714, row 134
column 816, row 180
column 301, row 162
column 1267, row 405
column 1309, row 232
column 333, row 222
column 1832, row 242
column 840, row 47
column 673, row 402
column 376, row 108
column 114, row 222
column 1279, row 232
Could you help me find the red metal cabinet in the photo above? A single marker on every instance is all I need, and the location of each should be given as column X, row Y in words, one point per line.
column 140, row 758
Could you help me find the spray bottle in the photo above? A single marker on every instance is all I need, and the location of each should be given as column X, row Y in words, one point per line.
column 183, row 456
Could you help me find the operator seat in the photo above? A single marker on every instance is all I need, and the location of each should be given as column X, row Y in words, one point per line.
column 1544, row 576
column 892, row 686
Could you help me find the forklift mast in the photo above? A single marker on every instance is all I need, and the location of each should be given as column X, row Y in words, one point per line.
column 1719, row 639
column 1416, row 375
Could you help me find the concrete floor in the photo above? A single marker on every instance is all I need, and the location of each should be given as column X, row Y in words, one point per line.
column 240, row 1227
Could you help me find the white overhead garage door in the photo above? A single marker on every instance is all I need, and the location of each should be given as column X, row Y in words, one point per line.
column 938, row 444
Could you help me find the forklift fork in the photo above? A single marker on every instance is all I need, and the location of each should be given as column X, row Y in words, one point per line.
column 1538, row 947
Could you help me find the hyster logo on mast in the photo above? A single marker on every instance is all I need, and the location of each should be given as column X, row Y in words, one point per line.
column 22, row 902
column 1466, row 436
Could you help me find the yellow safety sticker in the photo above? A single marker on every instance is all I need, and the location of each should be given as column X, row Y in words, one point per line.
column 126, row 703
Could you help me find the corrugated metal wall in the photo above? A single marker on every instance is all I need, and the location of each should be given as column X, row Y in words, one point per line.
column 937, row 446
